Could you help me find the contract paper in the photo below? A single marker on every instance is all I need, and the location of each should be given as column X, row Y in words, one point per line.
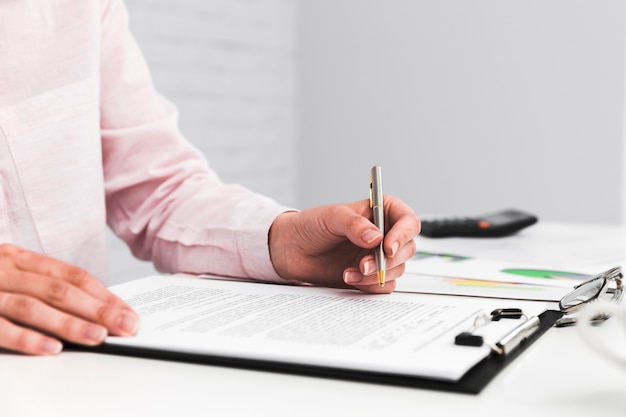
column 399, row 333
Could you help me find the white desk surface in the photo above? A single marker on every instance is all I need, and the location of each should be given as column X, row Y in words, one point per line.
column 556, row 376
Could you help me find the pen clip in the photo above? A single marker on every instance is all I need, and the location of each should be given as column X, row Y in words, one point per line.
column 371, row 192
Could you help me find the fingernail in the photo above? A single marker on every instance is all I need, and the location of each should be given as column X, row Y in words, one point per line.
column 394, row 249
column 50, row 346
column 371, row 235
column 352, row 277
column 369, row 267
column 95, row 333
column 128, row 323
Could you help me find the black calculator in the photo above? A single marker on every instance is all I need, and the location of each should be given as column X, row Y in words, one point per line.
column 497, row 224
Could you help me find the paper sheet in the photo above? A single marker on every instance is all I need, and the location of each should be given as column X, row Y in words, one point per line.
column 454, row 274
column 409, row 334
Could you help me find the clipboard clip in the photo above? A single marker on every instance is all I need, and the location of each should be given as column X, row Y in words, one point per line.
column 509, row 341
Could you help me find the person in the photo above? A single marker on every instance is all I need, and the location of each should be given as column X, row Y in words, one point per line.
column 86, row 142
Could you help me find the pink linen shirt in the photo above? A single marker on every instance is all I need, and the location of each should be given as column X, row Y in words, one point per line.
column 85, row 141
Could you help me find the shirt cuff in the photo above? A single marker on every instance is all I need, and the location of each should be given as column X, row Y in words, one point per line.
column 253, row 244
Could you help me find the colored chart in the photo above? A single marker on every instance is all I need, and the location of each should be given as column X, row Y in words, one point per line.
column 477, row 283
column 546, row 274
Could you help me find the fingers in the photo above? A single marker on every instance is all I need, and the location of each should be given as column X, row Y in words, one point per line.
column 369, row 283
column 353, row 222
column 25, row 260
column 113, row 315
column 406, row 252
column 28, row 311
column 365, row 277
column 354, row 276
column 405, row 225
column 44, row 300
column 21, row 339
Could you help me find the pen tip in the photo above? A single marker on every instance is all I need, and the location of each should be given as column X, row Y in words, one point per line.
column 381, row 277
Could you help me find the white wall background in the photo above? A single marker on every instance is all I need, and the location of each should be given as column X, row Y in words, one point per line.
column 469, row 105
column 229, row 66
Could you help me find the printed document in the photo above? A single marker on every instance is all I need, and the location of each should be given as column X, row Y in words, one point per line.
column 399, row 333
column 454, row 274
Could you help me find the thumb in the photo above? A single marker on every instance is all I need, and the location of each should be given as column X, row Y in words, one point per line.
column 353, row 226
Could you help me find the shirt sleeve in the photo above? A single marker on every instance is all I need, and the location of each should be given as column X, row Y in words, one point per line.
column 162, row 198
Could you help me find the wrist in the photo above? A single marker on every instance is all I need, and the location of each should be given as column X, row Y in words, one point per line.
column 280, row 243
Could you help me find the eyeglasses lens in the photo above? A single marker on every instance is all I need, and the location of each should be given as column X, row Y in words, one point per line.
column 583, row 294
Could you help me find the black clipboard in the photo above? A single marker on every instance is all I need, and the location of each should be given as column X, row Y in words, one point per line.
column 473, row 382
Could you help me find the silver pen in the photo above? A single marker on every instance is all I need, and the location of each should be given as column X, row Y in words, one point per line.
column 518, row 335
column 376, row 204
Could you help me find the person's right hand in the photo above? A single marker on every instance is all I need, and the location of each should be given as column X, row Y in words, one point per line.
column 44, row 301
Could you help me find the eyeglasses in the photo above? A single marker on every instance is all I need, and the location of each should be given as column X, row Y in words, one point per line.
column 596, row 287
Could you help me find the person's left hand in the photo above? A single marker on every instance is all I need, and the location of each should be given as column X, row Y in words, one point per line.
column 332, row 245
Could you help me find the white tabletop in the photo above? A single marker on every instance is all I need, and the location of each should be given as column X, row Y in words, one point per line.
column 557, row 375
